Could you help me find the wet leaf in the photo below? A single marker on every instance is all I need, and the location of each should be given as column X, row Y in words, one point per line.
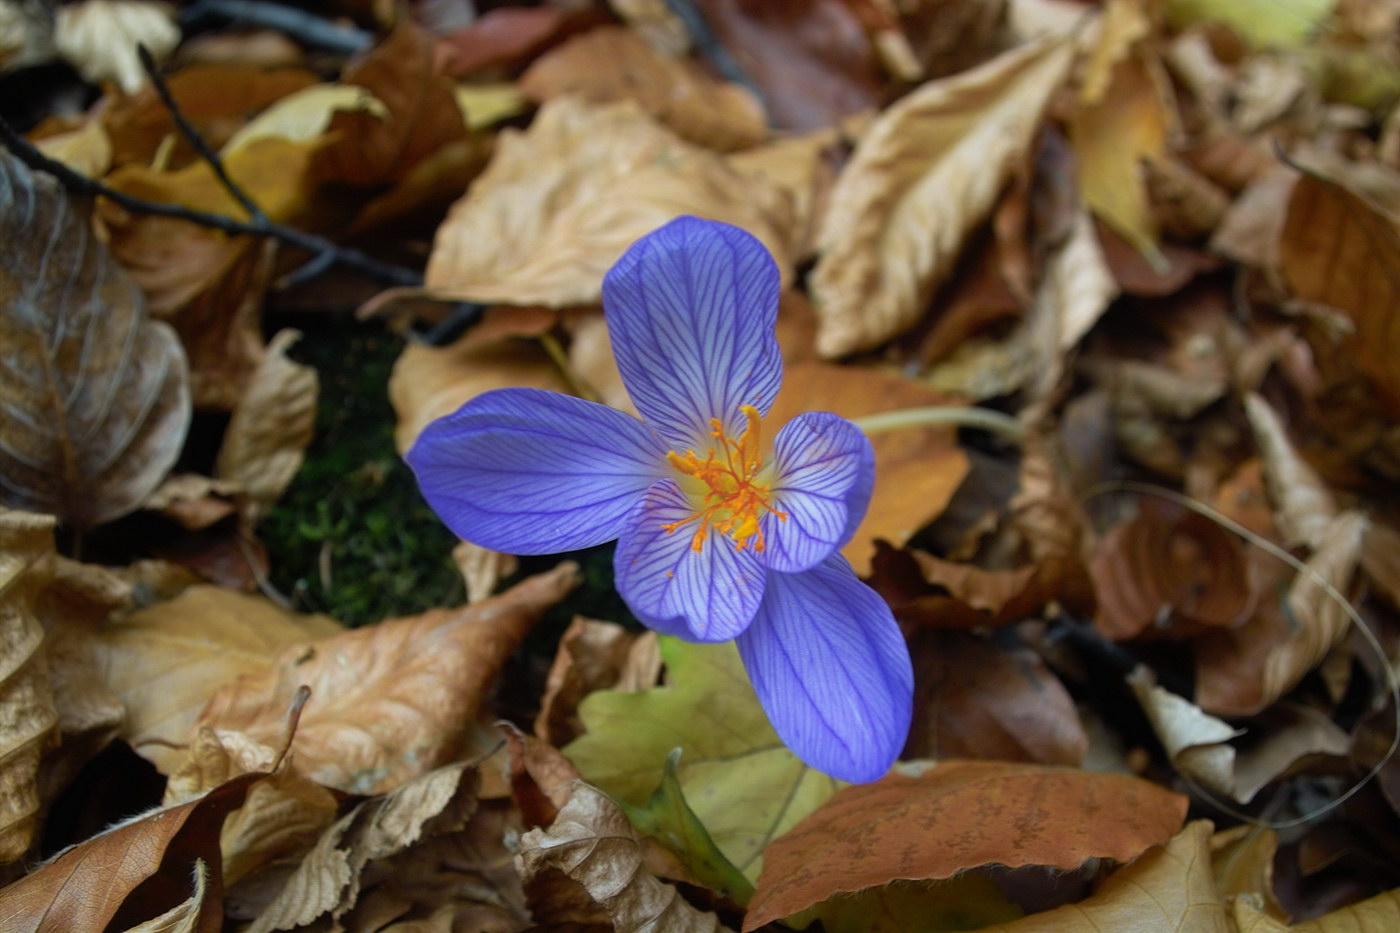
column 93, row 430
column 560, row 202
column 593, row 843
column 390, row 702
column 28, row 718
column 738, row 777
column 613, row 64
column 271, row 427
column 926, row 172
column 958, row 815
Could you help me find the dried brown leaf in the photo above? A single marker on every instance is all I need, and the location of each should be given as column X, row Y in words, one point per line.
column 592, row 656
column 560, row 202
column 135, row 871
column 95, row 395
column 613, row 64
column 958, row 815
column 593, row 843
column 918, row 469
column 193, row 501
column 804, row 167
column 1167, row 890
column 271, row 427
column 392, row 701
column 100, row 37
column 283, row 813
column 1304, row 507
column 167, row 660
column 976, row 699
column 482, row 569
column 28, row 718
column 926, row 172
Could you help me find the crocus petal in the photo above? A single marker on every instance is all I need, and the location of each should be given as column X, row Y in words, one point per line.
column 706, row 595
column 527, row 471
column 824, row 470
column 832, row 671
column 691, row 309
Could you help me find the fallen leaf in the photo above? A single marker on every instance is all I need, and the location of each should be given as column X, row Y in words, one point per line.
column 614, row 64
column 927, row 171
column 1377, row 913
column 100, row 37
column 329, row 879
column 137, row 870
column 482, row 569
column 1194, row 741
column 655, row 22
column 958, row 815
column 304, row 115
column 560, row 202
column 745, row 786
column 1121, row 121
column 1339, row 249
column 804, row 167
column 271, row 427
column 282, row 815
column 28, row 718
column 392, row 701
column 1168, row 889
column 193, row 501
column 420, row 111
column 592, row 656
column 430, row 382
column 1304, row 507
column 167, row 660
column 1242, row 861
column 91, row 433
column 917, row 469
column 1262, row 23
column 966, row 901
column 974, row 698
column 87, row 150
column 966, row 596
column 501, row 36
column 593, row 843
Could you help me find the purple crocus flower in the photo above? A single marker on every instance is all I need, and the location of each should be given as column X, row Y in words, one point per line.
column 719, row 537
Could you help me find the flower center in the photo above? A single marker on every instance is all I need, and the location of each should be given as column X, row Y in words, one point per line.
column 725, row 485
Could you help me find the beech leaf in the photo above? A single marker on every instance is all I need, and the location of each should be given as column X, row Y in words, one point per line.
column 95, row 395
column 958, row 815
column 928, row 170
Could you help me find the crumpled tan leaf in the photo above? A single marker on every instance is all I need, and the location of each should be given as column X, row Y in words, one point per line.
column 28, row 718
column 100, row 37
column 561, row 201
column 391, row 701
column 271, row 427
column 1304, row 507
column 593, row 843
column 927, row 170
column 88, row 436
column 613, row 64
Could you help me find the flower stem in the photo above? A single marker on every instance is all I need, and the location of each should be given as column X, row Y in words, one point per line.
column 960, row 416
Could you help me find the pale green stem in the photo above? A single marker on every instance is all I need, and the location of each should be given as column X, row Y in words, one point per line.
column 962, row 417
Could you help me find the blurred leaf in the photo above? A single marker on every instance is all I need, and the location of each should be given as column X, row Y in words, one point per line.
column 742, row 782
column 958, row 815
column 1304, row 507
column 614, row 64
column 272, row 424
column 99, row 37
column 167, row 660
column 593, row 844
column 964, row 902
column 668, row 819
column 389, row 702
column 133, row 872
column 926, row 171
column 919, row 468
column 28, row 718
column 1262, row 23
column 561, row 201
column 95, row 395
column 304, row 115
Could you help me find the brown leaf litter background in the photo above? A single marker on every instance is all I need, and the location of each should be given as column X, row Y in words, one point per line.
column 1133, row 262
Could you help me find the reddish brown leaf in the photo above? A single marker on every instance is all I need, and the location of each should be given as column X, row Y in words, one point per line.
column 500, row 37
column 959, row 815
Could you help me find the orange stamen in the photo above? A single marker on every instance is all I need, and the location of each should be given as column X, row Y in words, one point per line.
column 730, row 497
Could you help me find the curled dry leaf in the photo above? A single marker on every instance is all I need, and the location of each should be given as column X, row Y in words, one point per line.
column 193, row 501
column 95, row 395
column 919, row 468
column 271, row 427
column 593, row 843
column 1167, row 889
column 28, row 718
column 138, row 870
column 1340, row 249
column 593, row 656
column 328, row 879
column 974, row 698
column 926, row 172
column 1304, row 507
column 166, row 661
column 1195, row 741
column 283, row 813
column 100, row 37
column 560, row 202
column 390, row 702
column 482, row 569
column 804, row 167
column 614, row 64
column 958, row 815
